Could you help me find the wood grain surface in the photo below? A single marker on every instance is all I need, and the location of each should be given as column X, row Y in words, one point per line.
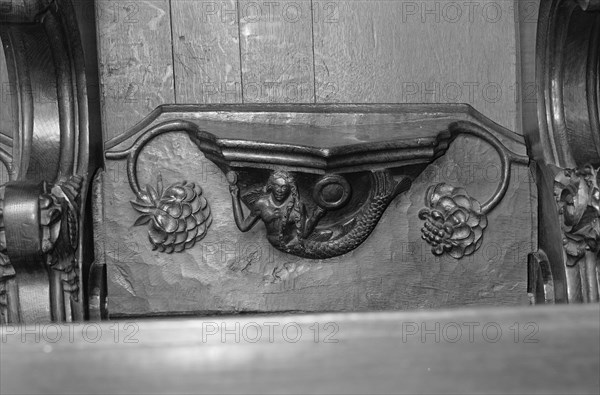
column 419, row 52
column 545, row 350
column 332, row 51
column 277, row 51
column 350, row 51
column 135, row 61
column 206, row 51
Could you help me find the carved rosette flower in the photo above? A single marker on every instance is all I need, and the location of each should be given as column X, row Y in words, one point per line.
column 454, row 222
column 578, row 199
column 178, row 217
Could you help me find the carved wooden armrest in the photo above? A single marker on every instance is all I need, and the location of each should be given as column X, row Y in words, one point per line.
column 43, row 253
column 566, row 151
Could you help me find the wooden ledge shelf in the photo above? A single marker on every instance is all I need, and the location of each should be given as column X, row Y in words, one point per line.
column 322, row 133
column 550, row 349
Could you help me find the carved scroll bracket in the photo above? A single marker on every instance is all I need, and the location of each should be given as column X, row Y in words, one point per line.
column 454, row 221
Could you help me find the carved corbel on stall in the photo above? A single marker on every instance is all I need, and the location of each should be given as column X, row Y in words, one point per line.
column 43, row 257
column 319, row 190
column 566, row 150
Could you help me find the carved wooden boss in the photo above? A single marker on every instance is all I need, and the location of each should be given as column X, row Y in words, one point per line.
column 319, row 177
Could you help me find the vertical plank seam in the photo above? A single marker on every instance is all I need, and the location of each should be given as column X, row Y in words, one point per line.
column 534, row 216
column 101, row 87
column 314, row 60
column 239, row 23
column 518, row 69
column 175, row 97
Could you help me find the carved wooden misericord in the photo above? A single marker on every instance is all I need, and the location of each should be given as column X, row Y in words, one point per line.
column 313, row 181
column 319, row 189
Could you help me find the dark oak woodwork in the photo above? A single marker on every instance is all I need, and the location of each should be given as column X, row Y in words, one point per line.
column 328, row 207
column 337, row 261
column 314, row 181
column 379, row 157
column 566, row 150
column 46, row 248
column 547, row 349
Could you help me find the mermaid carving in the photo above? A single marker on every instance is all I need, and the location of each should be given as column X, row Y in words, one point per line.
column 291, row 229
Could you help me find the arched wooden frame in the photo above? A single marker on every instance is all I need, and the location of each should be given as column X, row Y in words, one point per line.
column 568, row 56
column 566, row 149
column 48, row 156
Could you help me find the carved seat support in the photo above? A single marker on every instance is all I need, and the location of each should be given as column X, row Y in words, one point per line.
column 319, row 189
column 319, row 177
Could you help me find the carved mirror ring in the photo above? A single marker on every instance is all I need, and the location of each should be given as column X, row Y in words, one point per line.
column 332, row 192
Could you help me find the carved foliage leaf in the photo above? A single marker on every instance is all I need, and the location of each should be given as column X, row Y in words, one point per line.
column 142, row 220
column 578, row 201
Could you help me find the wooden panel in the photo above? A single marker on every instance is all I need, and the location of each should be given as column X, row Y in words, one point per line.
column 135, row 59
column 419, row 51
column 545, row 350
column 378, row 51
column 277, row 51
column 206, row 51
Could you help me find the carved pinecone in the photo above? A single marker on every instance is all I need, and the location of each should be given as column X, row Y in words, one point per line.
column 177, row 217
column 454, row 222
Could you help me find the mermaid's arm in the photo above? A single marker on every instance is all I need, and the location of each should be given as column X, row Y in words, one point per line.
column 312, row 220
column 247, row 223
